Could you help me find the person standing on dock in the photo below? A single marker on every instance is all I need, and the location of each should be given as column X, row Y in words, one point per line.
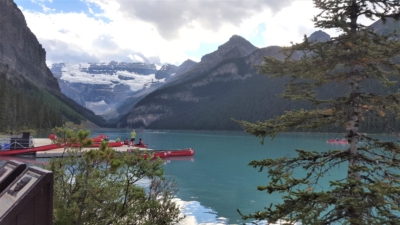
column 133, row 136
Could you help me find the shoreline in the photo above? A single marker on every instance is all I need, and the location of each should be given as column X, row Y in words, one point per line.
column 58, row 152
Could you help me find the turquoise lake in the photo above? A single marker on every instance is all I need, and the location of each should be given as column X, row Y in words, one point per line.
column 217, row 180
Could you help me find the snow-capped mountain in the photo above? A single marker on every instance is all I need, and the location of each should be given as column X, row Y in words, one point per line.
column 103, row 87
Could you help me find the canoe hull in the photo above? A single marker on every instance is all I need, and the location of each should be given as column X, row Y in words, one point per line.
column 167, row 153
column 184, row 152
column 50, row 147
column 337, row 142
column 30, row 150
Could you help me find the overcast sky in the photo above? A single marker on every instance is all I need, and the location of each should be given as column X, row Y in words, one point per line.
column 160, row 31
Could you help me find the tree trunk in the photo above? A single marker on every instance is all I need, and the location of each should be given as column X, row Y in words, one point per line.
column 353, row 135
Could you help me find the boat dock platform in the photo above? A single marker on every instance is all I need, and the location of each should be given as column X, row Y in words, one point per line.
column 59, row 151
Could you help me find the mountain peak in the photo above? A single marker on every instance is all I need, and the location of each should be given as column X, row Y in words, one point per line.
column 243, row 48
column 384, row 28
column 235, row 47
column 319, row 36
column 236, row 37
column 237, row 41
column 189, row 61
column 183, row 68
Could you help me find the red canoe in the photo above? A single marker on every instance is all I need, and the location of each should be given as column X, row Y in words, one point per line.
column 337, row 141
column 161, row 155
column 49, row 147
column 30, row 150
column 168, row 153
column 183, row 152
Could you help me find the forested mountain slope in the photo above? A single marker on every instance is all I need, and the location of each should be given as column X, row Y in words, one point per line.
column 210, row 94
column 208, row 100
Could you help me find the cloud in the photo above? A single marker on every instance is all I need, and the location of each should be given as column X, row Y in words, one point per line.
column 164, row 31
column 290, row 24
column 106, row 42
column 76, row 37
column 169, row 16
column 59, row 51
column 136, row 58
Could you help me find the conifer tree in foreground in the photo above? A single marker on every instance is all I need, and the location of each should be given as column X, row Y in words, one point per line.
column 369, row 192
column 101, row 186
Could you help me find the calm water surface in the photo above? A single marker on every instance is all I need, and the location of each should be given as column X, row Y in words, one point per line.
column 217, row 180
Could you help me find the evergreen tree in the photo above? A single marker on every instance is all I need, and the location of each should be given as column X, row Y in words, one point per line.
column 369, row 193
column 25, row 109
column 102, row 187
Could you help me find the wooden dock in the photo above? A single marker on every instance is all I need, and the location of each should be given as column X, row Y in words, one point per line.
column 59, row 151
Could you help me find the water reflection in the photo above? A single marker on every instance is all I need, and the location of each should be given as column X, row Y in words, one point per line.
column 197, row 214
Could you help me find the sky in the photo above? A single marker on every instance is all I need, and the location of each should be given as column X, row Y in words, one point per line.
column 161, row 31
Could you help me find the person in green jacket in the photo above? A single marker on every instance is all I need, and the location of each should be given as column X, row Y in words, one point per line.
column 133, row 136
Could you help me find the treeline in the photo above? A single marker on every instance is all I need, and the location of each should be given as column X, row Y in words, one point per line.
column 25, row 110
column 75, row 109
column 24, row 106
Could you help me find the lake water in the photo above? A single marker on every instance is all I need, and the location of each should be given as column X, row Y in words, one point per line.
column 217, row 180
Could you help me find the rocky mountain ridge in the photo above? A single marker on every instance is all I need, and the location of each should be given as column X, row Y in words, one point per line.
column 166, row 72
column 385, row 28
column 184, row 67
column 235, row 47
column 109, row 88
column 217, row 74
column 22, row 57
